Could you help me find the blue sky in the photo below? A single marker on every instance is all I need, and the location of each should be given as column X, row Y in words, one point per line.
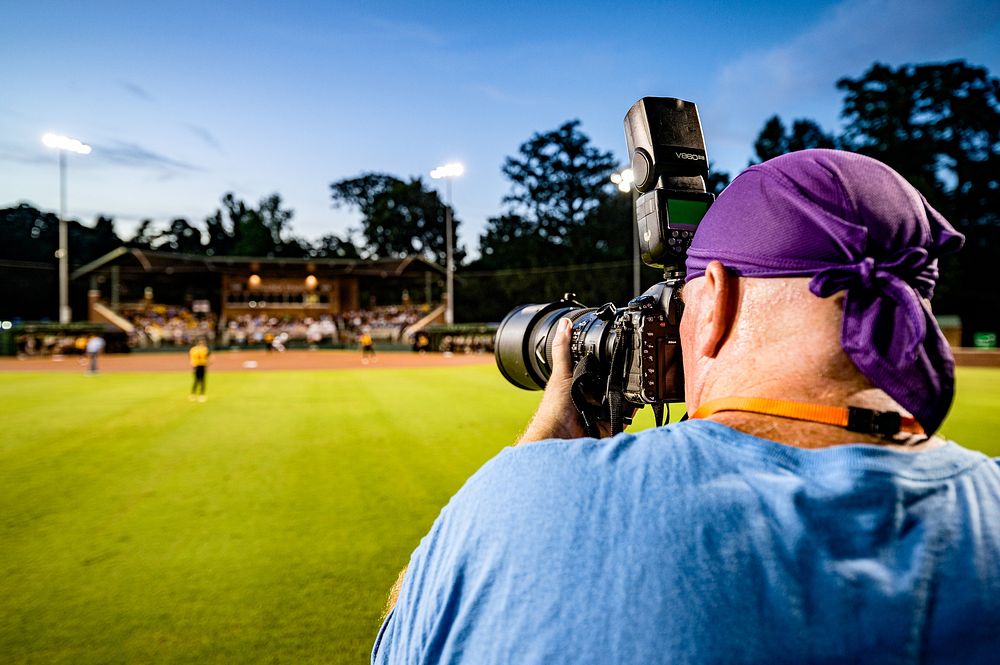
column 186, row 101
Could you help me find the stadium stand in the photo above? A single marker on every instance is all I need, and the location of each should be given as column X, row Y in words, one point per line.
column 162, row 326
column 159, row 326
column 382, row 323
column 163, row 299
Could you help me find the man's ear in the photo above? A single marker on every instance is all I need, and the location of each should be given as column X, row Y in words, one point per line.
column 717, row 293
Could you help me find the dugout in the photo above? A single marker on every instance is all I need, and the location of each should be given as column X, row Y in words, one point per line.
column 45, row 338
column 230, row 286
column 462, row 337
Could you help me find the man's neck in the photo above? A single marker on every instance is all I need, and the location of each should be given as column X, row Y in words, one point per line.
column 807, row 434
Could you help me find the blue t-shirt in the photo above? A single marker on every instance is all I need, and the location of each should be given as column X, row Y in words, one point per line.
column 696, row 543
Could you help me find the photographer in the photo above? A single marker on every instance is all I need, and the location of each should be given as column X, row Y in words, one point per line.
column 805, row 513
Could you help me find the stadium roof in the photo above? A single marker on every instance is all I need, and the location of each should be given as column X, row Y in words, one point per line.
column 152, row 261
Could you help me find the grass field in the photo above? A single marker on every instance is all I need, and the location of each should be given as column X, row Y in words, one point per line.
column 262, row 526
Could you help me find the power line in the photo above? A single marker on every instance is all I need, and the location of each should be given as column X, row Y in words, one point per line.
column 543, row 270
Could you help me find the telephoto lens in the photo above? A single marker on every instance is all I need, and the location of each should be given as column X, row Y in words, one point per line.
column 523, row 343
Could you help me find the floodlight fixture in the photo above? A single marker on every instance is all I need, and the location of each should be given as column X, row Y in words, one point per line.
column 624, row 180
column 60, row 142
column 452, row 170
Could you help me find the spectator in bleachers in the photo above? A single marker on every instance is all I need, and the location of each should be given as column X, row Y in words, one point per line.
column 161, row 324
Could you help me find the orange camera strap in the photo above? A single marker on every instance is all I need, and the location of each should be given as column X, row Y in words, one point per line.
column 855, row 419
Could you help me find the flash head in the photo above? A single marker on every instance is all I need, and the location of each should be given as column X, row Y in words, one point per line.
column 664, row 141
column 670, row 166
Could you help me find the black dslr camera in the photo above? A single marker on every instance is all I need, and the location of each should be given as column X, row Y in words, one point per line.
column 627, row 357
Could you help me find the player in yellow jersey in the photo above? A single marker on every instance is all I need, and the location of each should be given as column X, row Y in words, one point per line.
column 199, row 354
column 367, row 347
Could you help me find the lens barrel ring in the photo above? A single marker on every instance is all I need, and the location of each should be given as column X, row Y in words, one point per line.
column 574, row 316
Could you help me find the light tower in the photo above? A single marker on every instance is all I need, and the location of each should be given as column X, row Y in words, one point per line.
column 624, row 180
column 64, row 144
column 448, row 172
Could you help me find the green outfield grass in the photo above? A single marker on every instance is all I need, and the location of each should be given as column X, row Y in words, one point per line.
column 262, row 526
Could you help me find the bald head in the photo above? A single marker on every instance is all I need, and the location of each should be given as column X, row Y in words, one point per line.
column 764, row 338
column 852, row 225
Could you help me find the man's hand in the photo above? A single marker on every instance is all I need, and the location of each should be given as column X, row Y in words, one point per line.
column 556, row 417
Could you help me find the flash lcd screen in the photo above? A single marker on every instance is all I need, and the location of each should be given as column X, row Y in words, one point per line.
column 680, row 211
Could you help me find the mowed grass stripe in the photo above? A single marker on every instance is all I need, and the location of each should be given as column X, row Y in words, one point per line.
column 268, row 521
column 974, row 420
column 264, row 525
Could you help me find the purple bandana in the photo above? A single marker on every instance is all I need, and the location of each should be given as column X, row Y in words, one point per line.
column 855, row 225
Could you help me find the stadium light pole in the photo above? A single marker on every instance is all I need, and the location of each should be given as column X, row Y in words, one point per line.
column 64, row 144
column 447, row 173
column 624, row 180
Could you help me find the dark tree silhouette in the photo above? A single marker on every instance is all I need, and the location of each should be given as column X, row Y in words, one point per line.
column 939, row 126
column 180, row 236
column 27, row 234
column 717, row 181
column 556, row 179
column 144, row 236
column 332, row 246
column 775, row 140
column 565, row 228
column 398, row 218
column 220, row 240
column 28, row 242
column 261, row 231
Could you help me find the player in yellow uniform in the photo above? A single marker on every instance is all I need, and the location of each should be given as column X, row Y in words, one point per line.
column 199, row 354
column 367, row 347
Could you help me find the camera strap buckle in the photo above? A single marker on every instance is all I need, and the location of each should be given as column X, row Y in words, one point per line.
column 885, row 424
column 658, row 413
column 615, row 392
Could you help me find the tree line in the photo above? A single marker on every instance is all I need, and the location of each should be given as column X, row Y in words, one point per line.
column 937, row 124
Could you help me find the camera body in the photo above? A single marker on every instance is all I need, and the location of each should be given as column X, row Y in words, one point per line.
column 628, row 357
column 654, row 371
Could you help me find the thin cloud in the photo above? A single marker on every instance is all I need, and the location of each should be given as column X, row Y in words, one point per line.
column 494, row 93
column 134, row 155
column 410, row 30
column 800, row 74
column 118, row 153
column 22, row 154
column 207, row 137
column 136, row 91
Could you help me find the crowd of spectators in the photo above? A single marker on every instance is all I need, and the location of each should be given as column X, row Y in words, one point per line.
column 385, row 323
column 382, row 323
column 163, row 325
column 263, row 329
